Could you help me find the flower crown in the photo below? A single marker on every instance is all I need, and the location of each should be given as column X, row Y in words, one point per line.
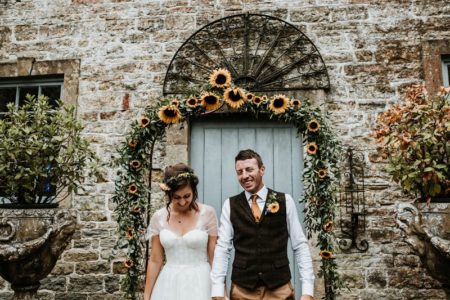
column 174, row 180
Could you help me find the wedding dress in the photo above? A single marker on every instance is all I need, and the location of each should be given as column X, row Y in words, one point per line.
column 186, row 273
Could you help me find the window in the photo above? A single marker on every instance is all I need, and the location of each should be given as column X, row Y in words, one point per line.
column 436, row 62
column 446, row 70
column 15, row 89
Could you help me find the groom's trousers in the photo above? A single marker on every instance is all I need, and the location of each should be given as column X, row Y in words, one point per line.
column 284, row 292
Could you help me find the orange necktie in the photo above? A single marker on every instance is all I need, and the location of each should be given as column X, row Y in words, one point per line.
column 255, row 208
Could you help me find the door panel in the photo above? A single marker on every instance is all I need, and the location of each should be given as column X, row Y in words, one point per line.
column 213, row 146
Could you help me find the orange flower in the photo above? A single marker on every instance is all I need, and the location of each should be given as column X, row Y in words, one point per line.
column 257, row 100
column 279, row 104
column 328, row 226
column 129, row 233
column 311, row 148
column 210, row 101
column 132, row 188
column 296, row 104
column 192, row 102
column 132, row 143
column 220, row 78
column 175, row 102
column 169, row 114
column 234, row 97
column 136, row 210
column 135, row 164
column 313, row 125
column 322, row 173
column 326, row 255
column 273, row 207
column 128, row 263
column 250, row 96
column 144, row 121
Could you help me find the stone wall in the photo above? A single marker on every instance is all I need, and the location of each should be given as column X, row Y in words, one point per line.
column 373, row 49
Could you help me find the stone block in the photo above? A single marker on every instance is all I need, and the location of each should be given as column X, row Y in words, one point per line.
column 407, row 260
column 94, row 216
column 376, row 278
column 112, row 284
column 87, row 283
column 62, row 268
column 92, row 267
column 52, row 283
column 25, row 32
column 72, row 295
column 353, row 278
column 77, row 255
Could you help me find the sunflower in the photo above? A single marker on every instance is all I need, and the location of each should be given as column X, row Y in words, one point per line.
column 328, row 226
column 326, row 254
column 132, row 188
column 129, row 233
column 257, row 100
column 311, row 148
column 144, row 121
column 278, row 104
column 192, row 102
column 313, row 125
column 169, row 114
column 234, row 97
column 175, row 102
column 296, row 104
column 135, row 164
column 322, row 173
column 249, row 96
column 128, row 263
column 273, row 207
column 210, row 101
column 220, row 78
column 132, row 143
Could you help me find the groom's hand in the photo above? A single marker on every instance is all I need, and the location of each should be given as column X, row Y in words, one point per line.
column 218, row 298
column 306, row 297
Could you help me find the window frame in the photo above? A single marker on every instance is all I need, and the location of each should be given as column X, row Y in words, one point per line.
column 32, row 81
column 432, row 53
column 446, row 70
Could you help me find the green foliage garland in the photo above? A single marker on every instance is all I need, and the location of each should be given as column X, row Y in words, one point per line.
column 135, row 160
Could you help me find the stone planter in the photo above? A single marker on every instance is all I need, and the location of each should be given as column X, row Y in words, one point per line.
column 427, row 229
column 31, row 241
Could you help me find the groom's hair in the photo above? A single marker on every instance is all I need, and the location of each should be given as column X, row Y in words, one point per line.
column 249, row 154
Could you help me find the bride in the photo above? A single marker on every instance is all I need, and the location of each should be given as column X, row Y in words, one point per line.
column 183, row 234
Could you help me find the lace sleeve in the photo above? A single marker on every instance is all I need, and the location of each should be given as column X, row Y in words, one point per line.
column 156, row 225
column 209, row 221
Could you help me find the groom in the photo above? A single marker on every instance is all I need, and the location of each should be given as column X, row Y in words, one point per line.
column 258, row 223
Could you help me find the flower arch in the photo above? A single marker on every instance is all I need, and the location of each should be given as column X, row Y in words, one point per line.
column 321, row 173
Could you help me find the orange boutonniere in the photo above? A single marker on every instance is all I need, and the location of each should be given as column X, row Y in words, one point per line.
column 272, row 203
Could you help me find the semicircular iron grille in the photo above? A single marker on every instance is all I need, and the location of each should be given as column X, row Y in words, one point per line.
column 263, row 54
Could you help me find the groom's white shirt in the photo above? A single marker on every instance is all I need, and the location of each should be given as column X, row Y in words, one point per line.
column 225, row 244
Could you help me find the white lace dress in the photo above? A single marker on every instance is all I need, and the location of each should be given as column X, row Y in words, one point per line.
column 186, row 273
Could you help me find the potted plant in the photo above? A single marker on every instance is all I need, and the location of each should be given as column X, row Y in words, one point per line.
column 414, row 137
column 43, row 159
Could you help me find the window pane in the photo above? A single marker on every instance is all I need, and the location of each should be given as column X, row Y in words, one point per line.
column 53, row 92
column 7, row 94
column 23, row 91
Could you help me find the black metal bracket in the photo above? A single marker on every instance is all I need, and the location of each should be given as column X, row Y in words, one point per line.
column 352, row 203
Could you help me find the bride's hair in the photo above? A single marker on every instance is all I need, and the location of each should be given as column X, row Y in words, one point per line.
column 176, row 177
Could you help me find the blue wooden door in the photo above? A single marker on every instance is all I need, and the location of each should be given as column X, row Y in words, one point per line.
column 213, row 146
